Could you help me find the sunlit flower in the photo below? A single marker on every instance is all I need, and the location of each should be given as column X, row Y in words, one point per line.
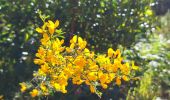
column 118, row 81
column 52, row 26
column 149, row 12
column 134, row 66
column 110, row 52
column 34, row 93
column 23, row 87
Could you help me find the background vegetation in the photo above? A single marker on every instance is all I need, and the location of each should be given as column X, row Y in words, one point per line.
column 130, row 25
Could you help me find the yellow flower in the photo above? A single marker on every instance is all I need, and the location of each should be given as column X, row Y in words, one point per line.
column 39, row 30
column 110, row 52
column 86, row 52
column 74, row 39
column 39, row 61
column 82, row 45
column 41, row 52
column 68, row 50
column 104, row 85
column 77, row 80
column 125, row 78
column 125, row 68
column 45, row 68
column 23, row 87
column 92, row 89
column 57, row 86
column 116, row 65
column 117, row 53
column 149, row 12
column 43, row 88
column 72, row 46
column 92, row 76
column 34, row 93
column 134, row 67
column 80, row 61
column 93, row 67
column 63, row 89
column 52, row 26
column 111, row 77
column 45, row 40
column 103, row 78
column 118, row 81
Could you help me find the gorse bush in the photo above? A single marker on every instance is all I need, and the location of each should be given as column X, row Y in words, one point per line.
column 75, row 64
column 103, row 23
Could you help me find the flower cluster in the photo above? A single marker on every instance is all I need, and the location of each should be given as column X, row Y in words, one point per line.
column 74, row 64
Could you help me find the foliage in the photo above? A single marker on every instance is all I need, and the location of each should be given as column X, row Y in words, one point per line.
column 164, row 24
column 154, row 53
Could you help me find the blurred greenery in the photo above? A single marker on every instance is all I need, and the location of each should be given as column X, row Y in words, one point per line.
column 153, row 55
column 103, row 23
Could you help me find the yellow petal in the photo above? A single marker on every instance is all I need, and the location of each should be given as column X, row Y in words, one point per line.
column 51, row 30
column 80, row 40
column 134, row 67
column 149, row 12
column 75, row 39
column 125, row 78
column 72, row 46
column 39, row 30
column 118, row 81
column 104, row 86
column 56, row 23
column 110, row 52
column 23, row 87
column 34, row 92
column 117, row 53
column 50, row 23
column 92, row 89
column 57, row 86
column 86, row 52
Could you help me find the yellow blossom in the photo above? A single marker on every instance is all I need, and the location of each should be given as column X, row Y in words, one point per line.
column 74, row 39
column 110, row 52
column 92, row 89
column 125, row 78
column 118, row 81
column 149, row 12
column 43, row 88
column 92, row 76
column 52, row 26
column 63, row 89
column 117, row 53
column 39, row 30
column 134, row 67
column 34, row 93
column 86, row 52
column 23, row 87
column 104, row 85
column 57, row 86
column 80, row 61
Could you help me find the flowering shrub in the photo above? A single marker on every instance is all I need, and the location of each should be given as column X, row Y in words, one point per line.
column 75, row 64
